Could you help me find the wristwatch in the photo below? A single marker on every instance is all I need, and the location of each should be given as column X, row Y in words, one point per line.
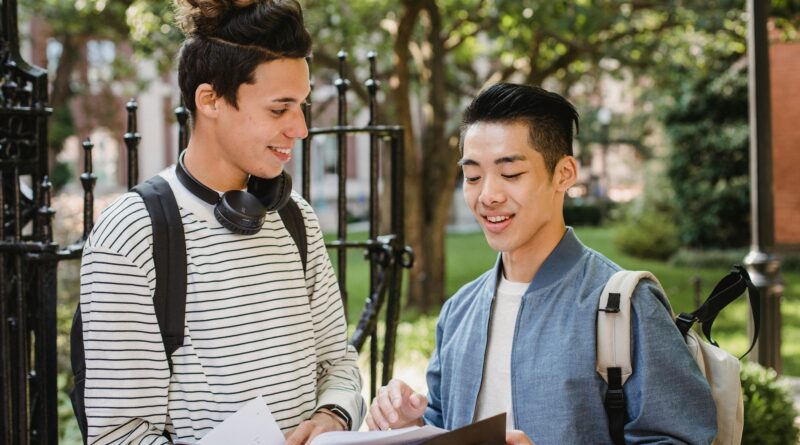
column 340, row 413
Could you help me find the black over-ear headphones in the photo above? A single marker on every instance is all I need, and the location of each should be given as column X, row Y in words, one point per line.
column 239, row 211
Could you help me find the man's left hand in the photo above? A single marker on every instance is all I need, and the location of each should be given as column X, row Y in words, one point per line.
column 318, row 423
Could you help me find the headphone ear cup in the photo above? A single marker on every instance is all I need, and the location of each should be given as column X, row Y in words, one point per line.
column 240, row 212
column 231, row 226
column 273, row 193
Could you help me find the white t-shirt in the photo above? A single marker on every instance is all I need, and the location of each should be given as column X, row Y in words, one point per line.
column 495, row 393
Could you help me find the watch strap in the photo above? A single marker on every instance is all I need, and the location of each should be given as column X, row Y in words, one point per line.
column 339, row 412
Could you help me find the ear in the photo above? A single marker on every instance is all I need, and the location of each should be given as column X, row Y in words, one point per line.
column 206, row 99
column 565, row 174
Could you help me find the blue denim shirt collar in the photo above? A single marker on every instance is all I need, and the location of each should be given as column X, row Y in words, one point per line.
column 563, row 258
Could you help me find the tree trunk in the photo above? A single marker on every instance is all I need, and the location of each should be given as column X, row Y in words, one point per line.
column 439, row 165
column 412, row 192
column 70, row 56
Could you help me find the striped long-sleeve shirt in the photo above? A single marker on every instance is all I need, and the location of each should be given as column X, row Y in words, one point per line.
column 255, row 325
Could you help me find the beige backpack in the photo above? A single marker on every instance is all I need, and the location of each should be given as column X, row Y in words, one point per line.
column 720, row 368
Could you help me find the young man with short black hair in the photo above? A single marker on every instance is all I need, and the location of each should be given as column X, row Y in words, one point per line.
column 520, row 339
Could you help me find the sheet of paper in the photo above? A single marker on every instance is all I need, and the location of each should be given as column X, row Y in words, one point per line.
column 253, row 424
column 401, row 436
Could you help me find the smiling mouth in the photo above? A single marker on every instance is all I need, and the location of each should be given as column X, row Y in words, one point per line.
column 497, row 219
column 285, row 151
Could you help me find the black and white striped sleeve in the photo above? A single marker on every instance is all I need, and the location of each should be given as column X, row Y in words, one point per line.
column 127, row 375
column 338, row 376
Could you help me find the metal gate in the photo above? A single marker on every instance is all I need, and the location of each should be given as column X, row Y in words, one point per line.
column 28, row 255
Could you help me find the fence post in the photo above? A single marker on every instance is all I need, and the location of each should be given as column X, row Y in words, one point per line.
column 132, row 138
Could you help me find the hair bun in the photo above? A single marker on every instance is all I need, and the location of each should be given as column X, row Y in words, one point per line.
column 204, row 16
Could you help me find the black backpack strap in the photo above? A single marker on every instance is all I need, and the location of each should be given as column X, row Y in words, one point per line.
column 78, row 359
column 292, row 218
column 169, row 257
column 615, row 406
column 728, row 289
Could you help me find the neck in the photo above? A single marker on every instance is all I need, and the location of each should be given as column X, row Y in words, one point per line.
column 522, row 264
column 207, row 166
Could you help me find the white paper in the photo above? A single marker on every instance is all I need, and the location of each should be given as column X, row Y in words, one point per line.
column 391, row 437
column 253, row 424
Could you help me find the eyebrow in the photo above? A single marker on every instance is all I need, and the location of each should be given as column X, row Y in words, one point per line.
column 292, row 100
column 504, row 160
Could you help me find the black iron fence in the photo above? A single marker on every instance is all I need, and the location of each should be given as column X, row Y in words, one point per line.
column 29, row 257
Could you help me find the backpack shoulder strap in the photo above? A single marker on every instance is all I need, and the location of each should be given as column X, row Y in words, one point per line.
column 614, row 344
column 728, row 289
column 169, row 257
column 292, row 218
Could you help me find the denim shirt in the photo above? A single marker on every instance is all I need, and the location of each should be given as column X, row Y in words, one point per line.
column 557, row 394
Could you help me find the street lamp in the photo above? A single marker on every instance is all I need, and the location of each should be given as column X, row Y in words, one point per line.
column 762, row 264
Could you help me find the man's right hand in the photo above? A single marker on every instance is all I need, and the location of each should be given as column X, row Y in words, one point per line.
column 396, row 406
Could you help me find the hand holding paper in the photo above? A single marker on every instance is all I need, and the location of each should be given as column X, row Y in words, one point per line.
column 318, row 424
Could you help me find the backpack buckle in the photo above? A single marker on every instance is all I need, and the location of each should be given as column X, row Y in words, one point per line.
column 615, row 399
column 684, row 322
column 612, row 305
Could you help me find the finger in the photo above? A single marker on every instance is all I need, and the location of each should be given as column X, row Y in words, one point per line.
column 371, row 423
column 377, row 415
column 387, row 408
column 398, row 390
column 417, row 403
column 300, row 435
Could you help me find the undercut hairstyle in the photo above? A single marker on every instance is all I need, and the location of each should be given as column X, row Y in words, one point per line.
column 226, row 40
column 549, row 117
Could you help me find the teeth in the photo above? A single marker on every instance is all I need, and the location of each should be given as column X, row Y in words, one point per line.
column 496, row 219
column 285, row 151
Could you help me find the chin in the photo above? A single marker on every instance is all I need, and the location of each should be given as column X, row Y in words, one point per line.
column 269, row 173
column 495, row 242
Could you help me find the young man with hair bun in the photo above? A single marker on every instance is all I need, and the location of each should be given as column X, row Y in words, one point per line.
column 257, row 322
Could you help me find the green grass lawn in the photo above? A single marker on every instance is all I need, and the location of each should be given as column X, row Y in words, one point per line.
column 468, row 256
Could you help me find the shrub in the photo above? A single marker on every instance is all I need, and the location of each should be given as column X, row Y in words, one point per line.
column 768, row 410
column 708, row 166
column 708, row 258
column 648, row 235
column 581, row 213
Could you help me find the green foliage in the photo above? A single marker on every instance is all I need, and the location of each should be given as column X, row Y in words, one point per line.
column 62, row 126
column 579, row 213
column 708, row 257
column 769, row 412
column 68, row 431
column 61, row 175
column 95, row 18
column 647, row 227
column 708, row 165
column 649, row 235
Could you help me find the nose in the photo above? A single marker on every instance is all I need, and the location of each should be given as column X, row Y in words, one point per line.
column 296, row 126
column 492, row 192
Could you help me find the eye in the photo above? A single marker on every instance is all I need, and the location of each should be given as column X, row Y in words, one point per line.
column 471, row 179
column 279, row 112
column 515, row 175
